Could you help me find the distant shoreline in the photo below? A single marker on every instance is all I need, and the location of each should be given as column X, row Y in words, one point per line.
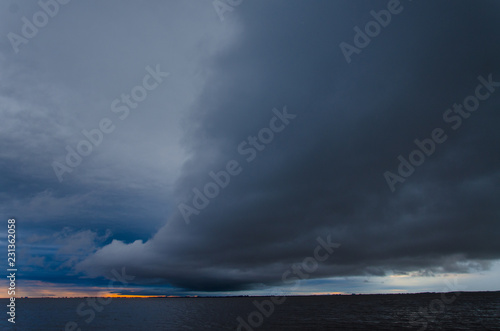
column 263, row 296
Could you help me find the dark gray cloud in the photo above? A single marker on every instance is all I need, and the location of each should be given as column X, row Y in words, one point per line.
column 323, row 175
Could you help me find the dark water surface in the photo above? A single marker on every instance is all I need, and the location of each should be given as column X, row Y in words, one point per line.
column 430, row 311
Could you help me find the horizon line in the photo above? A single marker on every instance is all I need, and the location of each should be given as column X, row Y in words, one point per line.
column 127, row 296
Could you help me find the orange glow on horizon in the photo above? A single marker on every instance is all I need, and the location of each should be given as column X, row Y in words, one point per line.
column 39, row 289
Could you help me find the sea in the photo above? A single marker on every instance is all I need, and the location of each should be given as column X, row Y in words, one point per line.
column 424, row 311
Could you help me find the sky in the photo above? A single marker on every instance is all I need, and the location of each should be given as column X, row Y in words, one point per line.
column 250, row 147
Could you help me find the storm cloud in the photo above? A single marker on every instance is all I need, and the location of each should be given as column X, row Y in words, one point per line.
column 322, row 175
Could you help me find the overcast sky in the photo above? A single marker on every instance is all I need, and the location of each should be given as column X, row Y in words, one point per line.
column 222, row 143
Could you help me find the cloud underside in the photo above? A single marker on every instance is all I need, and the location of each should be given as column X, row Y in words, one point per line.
column 323, row 175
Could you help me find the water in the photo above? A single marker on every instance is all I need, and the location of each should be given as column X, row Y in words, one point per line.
column 462, row 311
